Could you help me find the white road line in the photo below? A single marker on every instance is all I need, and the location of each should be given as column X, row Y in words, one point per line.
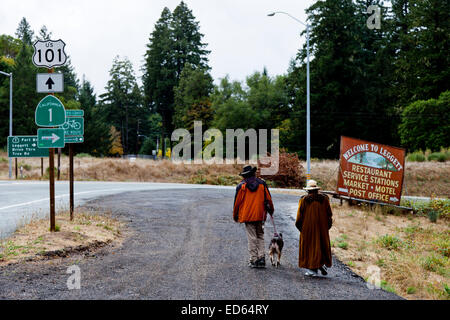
column 57, row 197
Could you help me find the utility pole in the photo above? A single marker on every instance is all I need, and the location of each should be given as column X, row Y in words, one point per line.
column 308, row 100
column 10, row 75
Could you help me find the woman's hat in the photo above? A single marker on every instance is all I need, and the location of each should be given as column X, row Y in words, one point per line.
column 311, row 185
column 247, row 170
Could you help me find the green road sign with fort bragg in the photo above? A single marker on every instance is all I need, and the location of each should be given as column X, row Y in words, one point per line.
column 51, row 138
column 50, row 112
column 25, row 147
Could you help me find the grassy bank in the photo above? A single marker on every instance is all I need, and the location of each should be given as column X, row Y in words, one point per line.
column 421, row 178
column 411, row 252
column 34, row 241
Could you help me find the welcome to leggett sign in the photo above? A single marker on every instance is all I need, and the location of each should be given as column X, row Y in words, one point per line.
column 371, row 171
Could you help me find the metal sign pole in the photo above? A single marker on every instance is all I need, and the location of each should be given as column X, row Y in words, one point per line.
column 10, row 115
column 59, row 163
column 71, row 179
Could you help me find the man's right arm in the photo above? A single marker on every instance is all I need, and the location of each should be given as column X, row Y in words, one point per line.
column 237, row 203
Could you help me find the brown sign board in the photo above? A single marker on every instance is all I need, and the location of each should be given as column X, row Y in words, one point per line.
column 370, row 171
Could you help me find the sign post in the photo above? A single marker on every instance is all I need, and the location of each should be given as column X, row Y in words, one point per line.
column 73, row 133
column 371, row 171
column 50, row 111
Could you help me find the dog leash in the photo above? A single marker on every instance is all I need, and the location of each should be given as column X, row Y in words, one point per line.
column 271, row 218
column 274, row 228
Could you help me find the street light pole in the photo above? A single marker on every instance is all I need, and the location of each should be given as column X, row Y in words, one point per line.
column 10, row 75
column 308, row 100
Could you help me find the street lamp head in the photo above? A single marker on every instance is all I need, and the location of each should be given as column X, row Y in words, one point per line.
column 271, row 14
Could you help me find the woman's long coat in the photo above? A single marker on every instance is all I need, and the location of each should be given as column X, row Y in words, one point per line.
column 314, row 219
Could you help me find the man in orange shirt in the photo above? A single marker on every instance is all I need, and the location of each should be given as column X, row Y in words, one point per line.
column 251, row 204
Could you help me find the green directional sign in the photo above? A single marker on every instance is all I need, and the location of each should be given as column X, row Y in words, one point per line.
column 74, row 126
column 51, row 138
column 25, row 147
column 76, row 139
column 74, row 113
column 50, row 112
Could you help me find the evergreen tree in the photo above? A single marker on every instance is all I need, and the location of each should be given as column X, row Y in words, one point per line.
column 430, row 31
column 44, row 34
column 25, row 98
column 192, row 102
column 97, row 140
column 159, row 76
column 188, row 45
column 175, row 41
column 24, row 32
column 122, row 101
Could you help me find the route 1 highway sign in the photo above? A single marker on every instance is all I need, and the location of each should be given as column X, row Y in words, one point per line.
column 49, row 82
column 25, row 147
column 50, row 112
column 49, row 53
column 51, row 138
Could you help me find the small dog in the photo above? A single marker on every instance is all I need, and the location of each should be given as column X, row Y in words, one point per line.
column 275, row 247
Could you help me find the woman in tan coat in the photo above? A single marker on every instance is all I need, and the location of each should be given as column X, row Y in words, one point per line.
column 314, row 219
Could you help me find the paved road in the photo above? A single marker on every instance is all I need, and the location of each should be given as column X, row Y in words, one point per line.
column 183, row 244
column 21, row 201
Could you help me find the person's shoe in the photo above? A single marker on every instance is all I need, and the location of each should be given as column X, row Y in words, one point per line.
column 323, row 270
column 261, row 262
column 252, row 264
column 311, row 272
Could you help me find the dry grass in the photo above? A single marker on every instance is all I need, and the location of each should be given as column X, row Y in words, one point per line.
column 411, row 252
column 421, row 178
column 34, row 241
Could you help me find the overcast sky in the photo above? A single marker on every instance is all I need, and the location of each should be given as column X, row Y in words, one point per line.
column 240, row 35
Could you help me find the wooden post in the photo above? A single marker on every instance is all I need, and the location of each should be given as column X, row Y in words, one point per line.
column 59, row 163
column 16, row 166
column 71, row 179
column 42, row 167
column 51, row 160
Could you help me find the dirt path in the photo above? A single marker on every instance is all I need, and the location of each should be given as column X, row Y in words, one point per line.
column 183, row 244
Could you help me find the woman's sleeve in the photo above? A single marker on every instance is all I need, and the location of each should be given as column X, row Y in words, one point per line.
column 300, row 215
column 329, row 213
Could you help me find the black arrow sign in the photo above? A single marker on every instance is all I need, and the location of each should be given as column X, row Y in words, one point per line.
column 50, row 83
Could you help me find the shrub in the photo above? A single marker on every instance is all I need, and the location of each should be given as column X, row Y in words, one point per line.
column 437, row 156
column 420, row 131
column 434, row 209
column 386, row 286
column 343, row 245
column 290, row 172
column 411, row 290
column 434, row 263
column 433, row 215
column 389, row 242
column 417, row 156
column 82, row 155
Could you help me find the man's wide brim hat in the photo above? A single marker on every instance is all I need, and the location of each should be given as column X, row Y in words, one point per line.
column 247, row 170
column 311, row 185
